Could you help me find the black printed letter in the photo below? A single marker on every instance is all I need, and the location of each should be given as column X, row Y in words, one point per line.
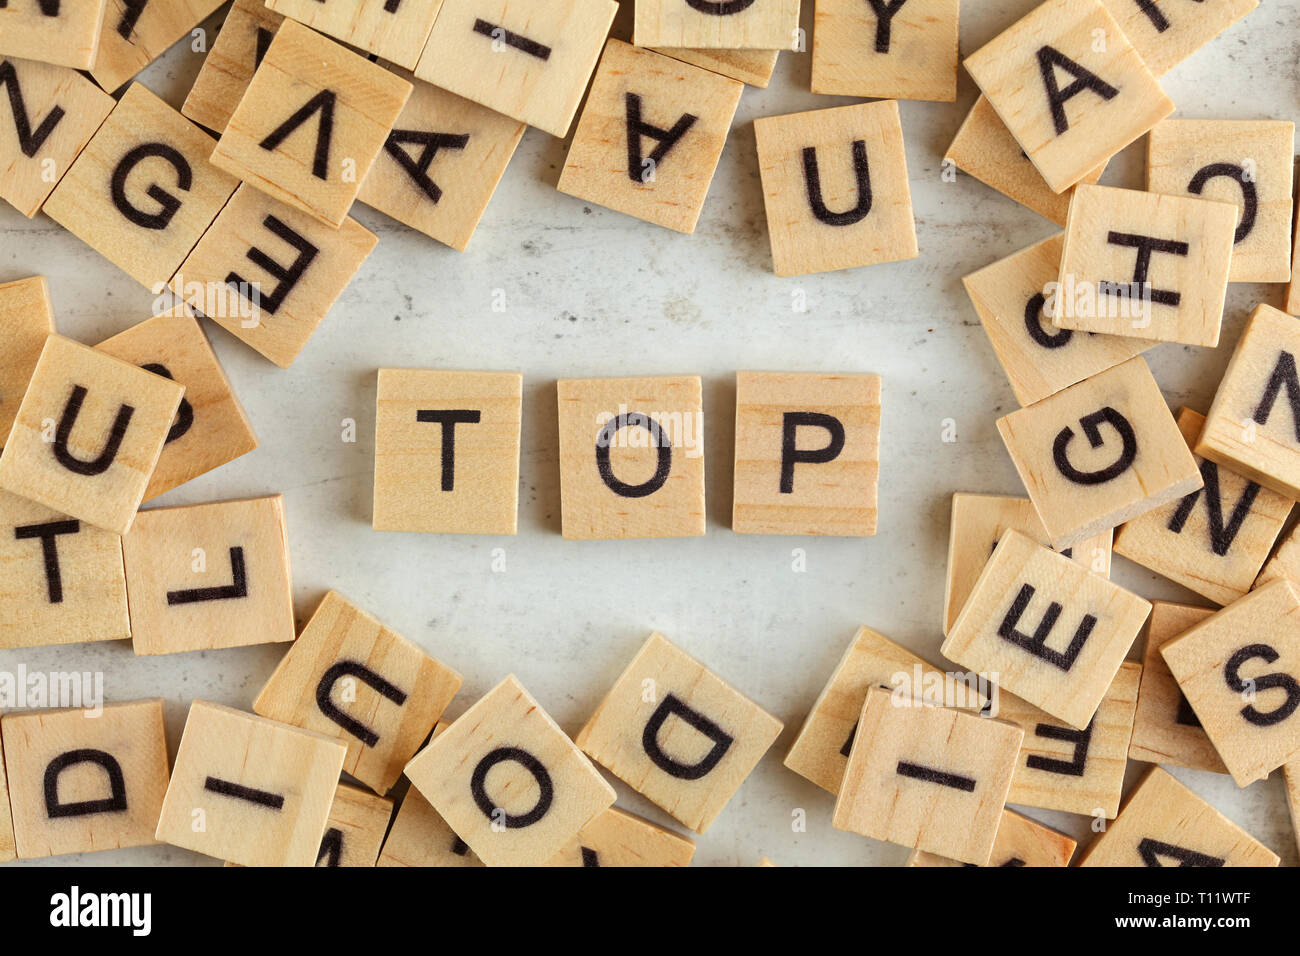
column 606, row 438
column 167, row 203
column 29, row 140
column 116, row 432
column 641, row 170
column 671, row 706
column 48, row 534
column 115, row 802
column 791, row 454
column 1036, row 643
column 813, row 180
column 1232, row 676
column 337, row 672
column 286, row 276
column 322, row 102
column 449, row 418
column 1049, row 58
column 1091, row 425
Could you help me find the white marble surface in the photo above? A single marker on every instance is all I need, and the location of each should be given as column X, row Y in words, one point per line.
column 593, row 292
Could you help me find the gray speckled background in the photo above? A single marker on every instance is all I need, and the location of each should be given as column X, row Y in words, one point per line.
column 593, row 292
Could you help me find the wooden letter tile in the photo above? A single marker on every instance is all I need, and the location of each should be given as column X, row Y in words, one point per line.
column 751, row 67
column 978, row 523
column 985, row 149
column 420, row 838
column 466, row 146
column 905, row 51
column 210, row 575
column 349, row 676
column 211, row 428
column 1145, row 265
column 677, row 733
column 1166, row 729
column 447, row 451
column 1020, row 842
column 26, row 321
column 1165, row 35
column 1077, row 771
column 819, row 481
column 507, row 780
column 135, row 33
column 88, row 434
column 1244, row 162
column 61, row 581
column 250, row 790
column 1239, row 671
column 81, row 781
column 65, row 34
column 1039, row 359
column 616, row 838
column 228, row 68
column 1046, row 630
column 631, row 457
column 395, row 31
column 530, row 61
column 311, row 123
column 835, row 188
column 708, row 24
column 1215, row 540
column 1254, row 424
column 929, row 778
column 650, row 136
column 1100, row 453
column 8, row 849
column 355, row 828
column 142, row 191
column 1165, row 824
column 820, row 752
column 1070, row 95
column 268, row 274
column 54, row 113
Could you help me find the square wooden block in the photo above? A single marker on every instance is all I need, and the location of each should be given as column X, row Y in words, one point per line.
column 441, row 164
column 1165, row 34
column 1214, row 541
column 355, row 828
column 751, row 67
column 1076, row 771
column 821, row 481
column 1244, row 162
column 142, row 191
column 631, row 457
column 650, row 136
column 250, row 790
column 1082, row 627
column 1038, row 358
column 206, row 576
column 81, row 781
column 835, row 188
column 1070, row 95
column 1238, row 670
column 1020, row 842
column 210, row 428
column 268, row 274
column 66, row 33
column 311, row 122
column 905, row 51
column 820, row 752
column 929, row 778
column 508, row 780
column 349, row 676
column 1099, row 453
column 8, row 849
column 1165, row 824
column 1253, row 427
column 616, row 838
column 977, row 525
column 134, row 34
column 1165, row 729
column 395, row 30
column 687, row 743
column 984, row 148
column 1145, row 265
column 713, row 24
column 530, row 61
column 447, row 451
column 420, row 837
column 61, row 581
column 55, row 112
column 234, row 56
column 88, row 434
column 26, row 321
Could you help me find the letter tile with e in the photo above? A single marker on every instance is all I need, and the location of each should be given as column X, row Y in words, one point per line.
column 677, row 733
column 81, row 781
